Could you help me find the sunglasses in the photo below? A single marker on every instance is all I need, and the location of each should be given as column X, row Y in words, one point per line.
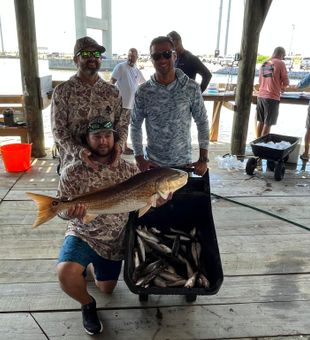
column 89, row 54
column 157, row 55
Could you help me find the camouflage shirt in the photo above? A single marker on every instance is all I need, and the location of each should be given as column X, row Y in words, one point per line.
column 73, row 103
column 168, row 111
column 105, row 234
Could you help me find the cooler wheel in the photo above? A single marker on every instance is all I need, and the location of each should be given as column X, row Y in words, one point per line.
column 190, row 297
column 251, row 165
column 143, row 297
column 279, row 171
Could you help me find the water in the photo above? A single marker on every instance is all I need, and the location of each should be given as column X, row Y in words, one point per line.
column 291, row 119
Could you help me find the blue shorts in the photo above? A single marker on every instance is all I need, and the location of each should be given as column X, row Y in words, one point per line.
column 76, row 250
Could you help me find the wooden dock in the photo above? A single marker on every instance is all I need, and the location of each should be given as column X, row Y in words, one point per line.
column 266, row 264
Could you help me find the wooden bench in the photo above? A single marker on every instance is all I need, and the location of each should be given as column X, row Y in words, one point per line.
column 15, row 102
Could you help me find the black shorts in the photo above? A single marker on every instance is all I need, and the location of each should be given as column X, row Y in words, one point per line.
column 267, row 111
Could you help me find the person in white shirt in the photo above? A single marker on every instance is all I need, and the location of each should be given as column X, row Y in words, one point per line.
column 127, row 78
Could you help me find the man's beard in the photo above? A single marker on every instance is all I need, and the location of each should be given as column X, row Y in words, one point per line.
column 90, row 70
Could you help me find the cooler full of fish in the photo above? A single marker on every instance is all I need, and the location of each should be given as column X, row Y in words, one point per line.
column 173, row 249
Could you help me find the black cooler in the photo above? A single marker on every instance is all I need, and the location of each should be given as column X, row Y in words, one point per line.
column 190, row 207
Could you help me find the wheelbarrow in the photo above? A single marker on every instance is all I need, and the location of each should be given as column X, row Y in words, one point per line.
column 190, row 207
column 276, row 158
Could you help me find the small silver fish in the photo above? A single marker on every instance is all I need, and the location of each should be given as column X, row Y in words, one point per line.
column 159, row 282
column 169, row 276
column 191, row 281
column 178, row 283
column 136, row 258
column 141, row 248
column 189, row 269
column 160, row 247
column 203, row 281
column 147, row 235
column 196, row 251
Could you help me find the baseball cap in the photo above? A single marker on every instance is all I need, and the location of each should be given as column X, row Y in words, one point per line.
column 98, row 124
column 85, row 42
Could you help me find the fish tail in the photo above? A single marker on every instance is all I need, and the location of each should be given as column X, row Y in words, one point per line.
column 45, row 208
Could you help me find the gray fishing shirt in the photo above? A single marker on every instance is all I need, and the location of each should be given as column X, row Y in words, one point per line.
column 168, row 111
column 105, row 234
column 74, row 102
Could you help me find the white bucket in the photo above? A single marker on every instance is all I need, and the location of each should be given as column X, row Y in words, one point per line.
column 294, row 155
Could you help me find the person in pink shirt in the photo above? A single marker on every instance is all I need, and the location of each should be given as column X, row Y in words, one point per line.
column 273, row 79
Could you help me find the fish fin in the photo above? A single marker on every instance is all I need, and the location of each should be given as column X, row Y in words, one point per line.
column 143, row 210
column 89, row 218
column 154, row 200
column 46, row 210
column 164, row 194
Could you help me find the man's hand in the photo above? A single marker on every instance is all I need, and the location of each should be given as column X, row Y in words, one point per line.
column 85, row 157
column 143, row 164
column 116, row 155
column 200, row 167
column 77, row 211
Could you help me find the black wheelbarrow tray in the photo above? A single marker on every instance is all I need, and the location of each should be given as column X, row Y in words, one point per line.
column 275, row 157
column 190, row 207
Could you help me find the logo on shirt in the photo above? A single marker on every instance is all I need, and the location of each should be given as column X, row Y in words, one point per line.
column 267, row 70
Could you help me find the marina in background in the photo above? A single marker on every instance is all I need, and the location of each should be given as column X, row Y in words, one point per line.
column 291, row 119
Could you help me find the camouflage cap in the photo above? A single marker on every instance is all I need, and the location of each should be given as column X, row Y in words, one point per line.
column 99, row 123
column 86, row 42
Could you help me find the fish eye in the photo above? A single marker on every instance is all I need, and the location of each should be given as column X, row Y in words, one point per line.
column 54, row 203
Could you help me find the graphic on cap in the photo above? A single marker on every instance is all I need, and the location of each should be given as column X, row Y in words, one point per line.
column 99, row 123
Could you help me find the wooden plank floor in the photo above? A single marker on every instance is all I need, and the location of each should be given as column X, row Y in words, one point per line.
column 265, row 257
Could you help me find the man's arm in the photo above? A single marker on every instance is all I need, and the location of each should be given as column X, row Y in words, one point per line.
column 121, row 120
column 304, row 82
column 59, row 121
column 206, row 75
column 200, row 117
column 137, row 118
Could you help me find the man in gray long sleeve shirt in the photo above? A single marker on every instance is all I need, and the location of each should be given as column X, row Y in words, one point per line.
column 168, row 102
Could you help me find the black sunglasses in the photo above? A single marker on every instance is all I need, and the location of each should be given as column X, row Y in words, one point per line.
column 157, row 55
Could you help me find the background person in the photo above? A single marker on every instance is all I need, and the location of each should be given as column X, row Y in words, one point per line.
column 83, row 96
column 273, row 79
column 189, row 63
column 127, row 77
column 167, row 103
column 302, row 84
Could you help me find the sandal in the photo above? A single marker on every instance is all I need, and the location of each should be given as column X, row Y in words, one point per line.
column 304, row 158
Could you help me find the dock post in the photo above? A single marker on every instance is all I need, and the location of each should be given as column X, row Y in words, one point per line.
column 28, row 55
column 255, row 13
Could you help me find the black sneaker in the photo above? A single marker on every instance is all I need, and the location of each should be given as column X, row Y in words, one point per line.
column 91, row 323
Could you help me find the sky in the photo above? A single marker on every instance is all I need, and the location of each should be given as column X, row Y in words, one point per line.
column 136, row 22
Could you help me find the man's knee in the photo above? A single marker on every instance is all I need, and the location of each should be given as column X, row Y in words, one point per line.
column 68, row 271
column 106, row 287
